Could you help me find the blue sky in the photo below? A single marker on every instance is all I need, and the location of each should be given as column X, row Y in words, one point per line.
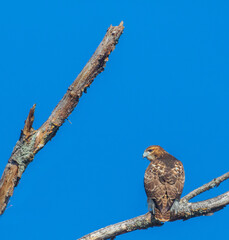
column 166, row 83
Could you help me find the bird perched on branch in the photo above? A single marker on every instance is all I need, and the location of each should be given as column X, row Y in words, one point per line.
column 163, row 181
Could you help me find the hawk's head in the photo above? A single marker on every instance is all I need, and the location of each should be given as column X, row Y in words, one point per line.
column 153, row 152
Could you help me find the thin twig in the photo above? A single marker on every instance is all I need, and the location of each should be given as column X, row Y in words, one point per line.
column 31, row 141
column 214, row 183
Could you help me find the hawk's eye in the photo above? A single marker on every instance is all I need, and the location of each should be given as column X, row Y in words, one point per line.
column 150, row 150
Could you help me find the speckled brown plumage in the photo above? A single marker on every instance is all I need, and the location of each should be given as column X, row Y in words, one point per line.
column 163, row 181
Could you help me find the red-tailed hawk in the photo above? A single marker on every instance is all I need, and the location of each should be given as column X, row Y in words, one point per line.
column 163, row 181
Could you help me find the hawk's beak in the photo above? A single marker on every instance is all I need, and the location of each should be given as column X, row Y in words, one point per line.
column 145, row 154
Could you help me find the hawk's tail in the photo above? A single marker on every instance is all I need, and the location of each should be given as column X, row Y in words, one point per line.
column 163, row 217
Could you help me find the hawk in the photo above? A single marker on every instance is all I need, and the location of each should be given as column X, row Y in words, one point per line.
column 163, row 181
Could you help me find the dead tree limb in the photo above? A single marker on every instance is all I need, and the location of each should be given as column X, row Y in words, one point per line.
column 185, row 211
column 31, row 141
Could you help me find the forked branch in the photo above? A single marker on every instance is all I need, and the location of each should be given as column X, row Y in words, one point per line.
column 185, row 211
column 31, row 141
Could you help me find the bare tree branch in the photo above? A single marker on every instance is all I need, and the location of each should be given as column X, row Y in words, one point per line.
column 31, row 141
column 185, row 211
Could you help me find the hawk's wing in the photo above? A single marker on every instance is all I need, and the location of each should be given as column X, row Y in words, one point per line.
column 175, row 183
column 164, row 184
column 154, row 187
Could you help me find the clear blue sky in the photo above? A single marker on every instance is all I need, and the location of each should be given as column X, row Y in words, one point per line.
column 166, row 83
